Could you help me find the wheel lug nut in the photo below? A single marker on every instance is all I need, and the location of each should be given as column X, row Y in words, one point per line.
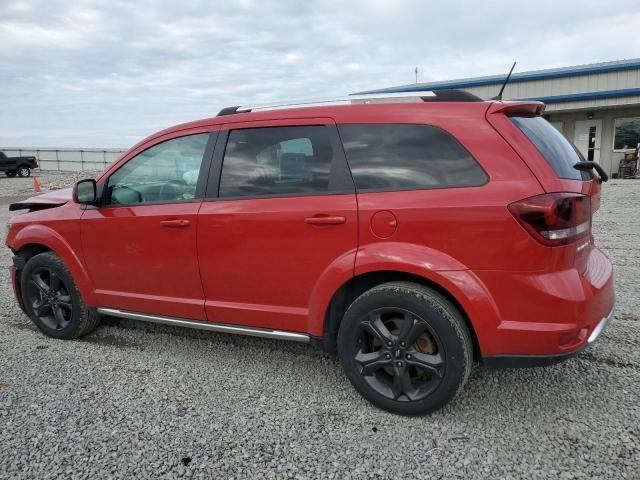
column 402, row 344
column 388, row 355
column 399, row 364
column 389, row 344
column 408, row 356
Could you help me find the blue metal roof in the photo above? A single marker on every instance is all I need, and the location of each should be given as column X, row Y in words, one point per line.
column 606, row 67
column 574, row 97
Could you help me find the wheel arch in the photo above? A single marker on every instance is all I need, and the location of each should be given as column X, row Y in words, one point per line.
column 35, row 239
column 357, row 285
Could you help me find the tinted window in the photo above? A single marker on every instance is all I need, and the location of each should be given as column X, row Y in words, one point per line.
column 166, row 172
column 403, row 157
column 553, row 146
column 276, row 161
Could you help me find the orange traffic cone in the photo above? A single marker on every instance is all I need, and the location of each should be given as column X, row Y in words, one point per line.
column 36, row 185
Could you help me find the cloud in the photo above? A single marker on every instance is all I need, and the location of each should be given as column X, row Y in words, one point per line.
column 105, row 74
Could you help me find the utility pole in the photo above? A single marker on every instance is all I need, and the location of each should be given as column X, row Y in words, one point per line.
column 416, row 74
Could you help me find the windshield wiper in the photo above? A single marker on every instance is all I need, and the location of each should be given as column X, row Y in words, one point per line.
column 588, row 166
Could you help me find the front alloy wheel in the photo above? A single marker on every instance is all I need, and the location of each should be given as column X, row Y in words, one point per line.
column 49, row 298
column 24, row 171
column 52, row 299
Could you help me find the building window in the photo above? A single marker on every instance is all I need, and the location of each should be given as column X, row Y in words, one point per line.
column 626, row 134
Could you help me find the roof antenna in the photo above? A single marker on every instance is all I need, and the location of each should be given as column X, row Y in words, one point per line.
column 506, row 80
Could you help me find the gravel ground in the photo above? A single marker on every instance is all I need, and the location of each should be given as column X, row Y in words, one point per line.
column 147, row 401
column 19, row 187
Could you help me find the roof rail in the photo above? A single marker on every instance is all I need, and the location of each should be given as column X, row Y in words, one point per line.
column 420, row 96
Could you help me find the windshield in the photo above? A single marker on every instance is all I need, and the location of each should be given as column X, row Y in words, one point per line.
column 553, row 146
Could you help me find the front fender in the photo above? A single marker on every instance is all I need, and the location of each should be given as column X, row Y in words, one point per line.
column 39, row 234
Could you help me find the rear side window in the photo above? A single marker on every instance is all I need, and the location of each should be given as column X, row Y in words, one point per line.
column 553, row 146
column 276, row 161
column 407, row 157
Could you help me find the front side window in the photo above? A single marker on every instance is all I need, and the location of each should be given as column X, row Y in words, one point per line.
column 276, row 161
column 407, row 157
column 626, row 133
column 166, row 172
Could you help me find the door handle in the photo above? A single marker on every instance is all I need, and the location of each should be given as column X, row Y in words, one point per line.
column 174, row 223
column 325, row 220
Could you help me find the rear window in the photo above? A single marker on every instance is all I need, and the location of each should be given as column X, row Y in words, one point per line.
column 553, row 146
column 407, row 157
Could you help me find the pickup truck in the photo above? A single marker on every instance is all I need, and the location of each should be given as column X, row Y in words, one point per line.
column 20, row 166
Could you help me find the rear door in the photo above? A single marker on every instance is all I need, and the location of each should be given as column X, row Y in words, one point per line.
column 280, row 211
column 7, row 163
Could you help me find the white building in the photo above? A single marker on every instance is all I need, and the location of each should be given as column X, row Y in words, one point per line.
column 596, row 106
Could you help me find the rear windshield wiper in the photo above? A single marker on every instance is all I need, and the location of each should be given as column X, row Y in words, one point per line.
column 588, row 166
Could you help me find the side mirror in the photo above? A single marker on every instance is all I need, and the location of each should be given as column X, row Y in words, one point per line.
column 85, row 192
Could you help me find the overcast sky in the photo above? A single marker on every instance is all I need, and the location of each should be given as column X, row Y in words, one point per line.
column 83, row 73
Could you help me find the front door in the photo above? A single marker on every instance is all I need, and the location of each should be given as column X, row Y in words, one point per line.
column 140, row 245
column 587, row 138
column 285, row 215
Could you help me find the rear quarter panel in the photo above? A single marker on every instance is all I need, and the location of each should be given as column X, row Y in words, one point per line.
column 471, row 225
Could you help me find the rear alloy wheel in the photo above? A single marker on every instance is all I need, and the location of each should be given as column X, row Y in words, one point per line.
column 52, row 300
column 24, row 171
column 405, row 348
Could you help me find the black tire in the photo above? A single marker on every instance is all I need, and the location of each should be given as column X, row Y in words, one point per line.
column 10, row 173
column 24, row 171
column 418, row 375
column 52, row 300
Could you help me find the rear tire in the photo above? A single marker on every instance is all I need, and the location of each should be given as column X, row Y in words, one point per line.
column 405, row 348
column 10, row 173
column 52, row 300
column 24, row 171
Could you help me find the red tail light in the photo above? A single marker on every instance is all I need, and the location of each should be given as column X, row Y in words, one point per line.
column 554, row 218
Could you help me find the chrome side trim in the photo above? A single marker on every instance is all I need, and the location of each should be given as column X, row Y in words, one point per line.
column 600, row 327
column 211, row 326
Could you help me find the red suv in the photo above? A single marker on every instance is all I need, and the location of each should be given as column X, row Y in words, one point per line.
column 411, row 235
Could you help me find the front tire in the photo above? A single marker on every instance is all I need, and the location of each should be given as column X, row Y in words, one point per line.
column 52, row 300
column 405, row 348
column 24, row 171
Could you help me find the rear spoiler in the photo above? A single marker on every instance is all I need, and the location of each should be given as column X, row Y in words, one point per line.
column 523, row 108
